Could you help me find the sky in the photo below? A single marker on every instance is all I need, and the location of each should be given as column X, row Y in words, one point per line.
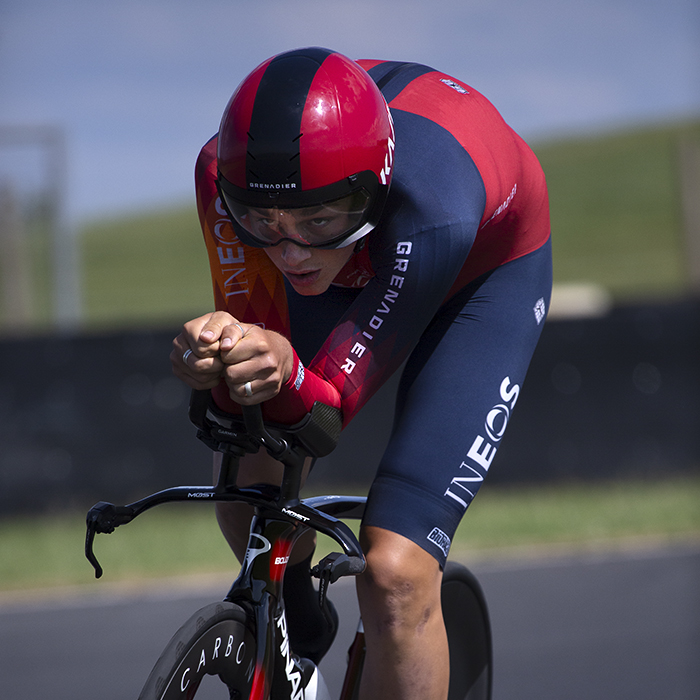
column 138, row 86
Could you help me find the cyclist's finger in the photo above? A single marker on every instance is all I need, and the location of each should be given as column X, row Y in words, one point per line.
column 252, row 345
column 190, row 336
column 211, row 331
column 189, row 367
column 202, row 365
column 231, row 335
column 248, row 390
column 253, row 381
column 180, row 353
column 252, row 392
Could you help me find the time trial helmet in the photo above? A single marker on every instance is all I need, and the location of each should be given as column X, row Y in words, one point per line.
column 305, row 151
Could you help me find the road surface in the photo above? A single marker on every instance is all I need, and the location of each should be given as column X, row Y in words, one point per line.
column 568, row 627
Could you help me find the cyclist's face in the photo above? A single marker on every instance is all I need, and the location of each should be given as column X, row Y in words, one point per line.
column 309, row 270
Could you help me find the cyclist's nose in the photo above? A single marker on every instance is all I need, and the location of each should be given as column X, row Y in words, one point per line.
column 293, row 254
column 289, row 228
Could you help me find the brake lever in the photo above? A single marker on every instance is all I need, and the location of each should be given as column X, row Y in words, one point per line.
column 330, row 569
column 89, row 551
column 103, row 518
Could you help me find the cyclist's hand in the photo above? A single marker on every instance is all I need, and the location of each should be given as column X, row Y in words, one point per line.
column 195, row 354
column 257, row 365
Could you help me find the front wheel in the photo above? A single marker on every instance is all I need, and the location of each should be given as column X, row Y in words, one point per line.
column 216, row 641
column 469, row 634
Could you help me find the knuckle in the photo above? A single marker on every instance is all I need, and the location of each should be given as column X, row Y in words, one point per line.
column 268, row 363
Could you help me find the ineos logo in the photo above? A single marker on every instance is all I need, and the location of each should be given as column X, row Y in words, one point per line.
column 222, row 228
column 496, row 421
column 231, row 254
column 481, row 453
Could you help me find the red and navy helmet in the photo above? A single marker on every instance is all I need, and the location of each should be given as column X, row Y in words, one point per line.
column 305, row 151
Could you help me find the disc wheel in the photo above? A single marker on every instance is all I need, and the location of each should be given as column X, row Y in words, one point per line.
column 469, row 634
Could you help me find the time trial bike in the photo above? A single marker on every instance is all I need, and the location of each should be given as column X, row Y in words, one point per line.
column 243, row 639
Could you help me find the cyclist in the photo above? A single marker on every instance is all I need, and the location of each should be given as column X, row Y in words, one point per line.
column 358, row 215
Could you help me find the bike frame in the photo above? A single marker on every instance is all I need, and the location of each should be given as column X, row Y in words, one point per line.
column 259, row 586
column 280, row 519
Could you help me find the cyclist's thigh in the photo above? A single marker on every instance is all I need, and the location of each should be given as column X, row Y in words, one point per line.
column 456, row 395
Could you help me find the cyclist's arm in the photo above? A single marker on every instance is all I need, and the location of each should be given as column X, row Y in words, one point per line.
column 381, row 328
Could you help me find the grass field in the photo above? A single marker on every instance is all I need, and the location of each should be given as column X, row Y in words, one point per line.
column 616, row 210
column 615, row 220
column 181, row 541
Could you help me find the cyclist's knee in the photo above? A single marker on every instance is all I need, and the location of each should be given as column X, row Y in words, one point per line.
column 401, row 586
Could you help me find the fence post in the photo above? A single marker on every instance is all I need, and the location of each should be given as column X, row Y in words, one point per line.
column 15, row 271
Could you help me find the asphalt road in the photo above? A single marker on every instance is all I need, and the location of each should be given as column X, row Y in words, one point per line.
column 585, row 627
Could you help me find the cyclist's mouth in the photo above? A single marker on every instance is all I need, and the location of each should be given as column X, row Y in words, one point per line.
column 303, row 279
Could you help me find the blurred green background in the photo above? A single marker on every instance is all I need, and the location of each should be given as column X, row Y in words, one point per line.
column 616, row 213
column 617, row 225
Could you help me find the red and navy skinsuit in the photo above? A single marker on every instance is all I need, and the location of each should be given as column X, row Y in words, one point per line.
column 456, row 277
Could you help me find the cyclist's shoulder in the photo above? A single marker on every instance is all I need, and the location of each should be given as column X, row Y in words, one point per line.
column 206, row 160
column 439, row 113
column 205, row 173
column 384, row 70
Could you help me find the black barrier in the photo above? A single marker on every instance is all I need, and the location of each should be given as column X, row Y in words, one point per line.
column 610, row 397
column 100, row 417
